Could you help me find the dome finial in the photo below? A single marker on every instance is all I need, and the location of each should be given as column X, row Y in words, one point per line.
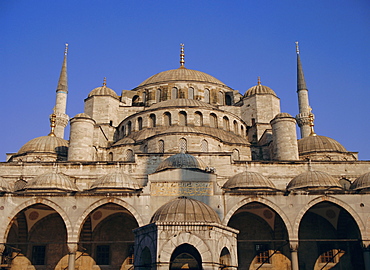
column 105, row 81
column 311, row 118
column 52, row 123
column 259, row 80
column 296, row 47
column 182, row 56
column 66, row 49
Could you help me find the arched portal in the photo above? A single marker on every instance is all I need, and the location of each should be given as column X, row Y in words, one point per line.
column 328, row 237
column 186, row 256
column 107, row 236
column 37, row 239
column 262, row 238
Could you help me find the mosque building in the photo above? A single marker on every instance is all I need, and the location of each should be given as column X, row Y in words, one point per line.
column 184, row 172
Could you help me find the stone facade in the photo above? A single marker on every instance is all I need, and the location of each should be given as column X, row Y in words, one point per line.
column 183, row 172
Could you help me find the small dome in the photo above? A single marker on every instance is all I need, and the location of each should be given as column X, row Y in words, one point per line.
column 4, row 185
column 283, row 115
column 103, row 91
column 51, row 181
column 181, row 74
column 181, row 160
column 319, row 144
column 259, row 89
column 185, row 209
column 50, row 144
column 117, row 180
column 313, row 180
column 362, row 182
column 82, row 115
column 249, row 180
column 182, row 102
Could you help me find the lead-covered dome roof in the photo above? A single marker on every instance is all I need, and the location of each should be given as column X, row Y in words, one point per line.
column 51, row 182
column 181, row 161
column 103, row 91
column 319, row 144
column 184, row 209
column 259, row 89
column 46, row 144
column 182, row 102
column 116, row 181
column 313, row 180
column 249, row 180
column 362, row 182
column 181, row 74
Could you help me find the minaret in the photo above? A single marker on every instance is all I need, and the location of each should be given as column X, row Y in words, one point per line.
column 305, row 115
column 61, row 119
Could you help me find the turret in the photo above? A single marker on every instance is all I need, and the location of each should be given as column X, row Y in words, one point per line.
column 303, row 118
column 285, row 146
column 61, row 99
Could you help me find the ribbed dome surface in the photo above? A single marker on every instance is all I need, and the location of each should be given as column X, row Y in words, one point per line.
column 181, row 160
column 283, row 115
column 313, row 179
column 181, row 74
column 182, row 102
column 116, row 180
column 319, row 144
column 103, row 91
column 361, row 182
column 185, row 209
column 4, row 186
column 49, row 144
column 249, row 180
column 52, row 181
column 259, row 89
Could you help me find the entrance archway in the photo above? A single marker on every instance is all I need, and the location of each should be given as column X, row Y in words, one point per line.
column 262, row 238
column 329, row 237
column 186, row 257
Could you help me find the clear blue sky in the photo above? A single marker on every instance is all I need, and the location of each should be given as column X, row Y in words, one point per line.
column 234, row 41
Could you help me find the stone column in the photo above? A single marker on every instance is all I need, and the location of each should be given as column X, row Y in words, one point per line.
column 294, row 254
column 366, row 250
column 72, row 248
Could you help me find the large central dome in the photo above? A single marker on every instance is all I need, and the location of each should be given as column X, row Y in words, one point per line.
column 181, row 74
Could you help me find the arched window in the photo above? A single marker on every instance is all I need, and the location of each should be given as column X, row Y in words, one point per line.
column 136, row 101
column 206, row 95
column 198, row 119
column 236, row 130
column 174, row 93
column 123, row 131
column 236, row 155
column 181, row 94
column 183, row 121
column 226, row 123
column 228, row 100
column 221, row 98
column 161, row 146
column 191, row 93
column 153, row 120
column 242, row 130
column 110, row 156
column 204, row 146
column 158, row 95
column 129, row 155
column 183, row 146
column 213, row 120
column 167, row 121
column 129, row 127
column 225, row 259
column 140, row 123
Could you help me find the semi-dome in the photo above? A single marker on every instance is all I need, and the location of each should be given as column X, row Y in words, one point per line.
column 362, row 182
column 51, row 181
column 182, row 102
column 249, row 180
column 184, row 209
column 181, row 161
column 313, row 180
column 259, row 89
column 115, row 181
column 319, row 144
column 46, row 144
column 103, row 91
column 181, row 74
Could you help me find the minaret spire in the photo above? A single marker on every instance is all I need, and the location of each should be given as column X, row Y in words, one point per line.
column 305, row 116
column 60, row 118
column 182, row 56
